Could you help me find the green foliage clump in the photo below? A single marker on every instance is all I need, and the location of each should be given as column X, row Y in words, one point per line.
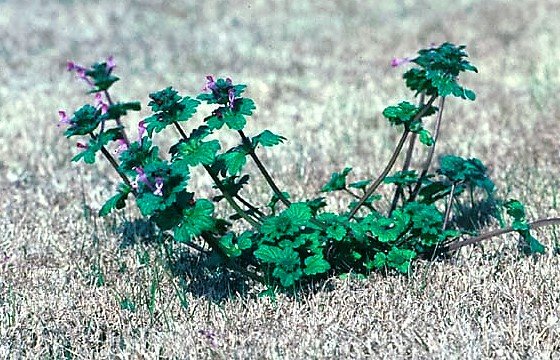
column 284, row 243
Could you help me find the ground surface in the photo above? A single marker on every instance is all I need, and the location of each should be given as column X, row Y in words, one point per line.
column 319, row 73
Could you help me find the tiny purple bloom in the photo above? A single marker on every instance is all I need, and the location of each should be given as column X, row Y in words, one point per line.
column 81, row 73
column 231, row 98
column 64, row 119
column 141, row 130
column 229, row 82
column 159, row 187
column 101, row 104
column 72, row 66
column 111, row 63
column 141, row 177
column 210, row 83
column 81, row 145
column 400, row 61
column 123, row 146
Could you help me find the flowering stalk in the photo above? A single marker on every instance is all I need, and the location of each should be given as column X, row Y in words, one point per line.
column 391, row 162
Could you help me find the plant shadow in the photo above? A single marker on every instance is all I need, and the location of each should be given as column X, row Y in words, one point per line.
column 193, row 271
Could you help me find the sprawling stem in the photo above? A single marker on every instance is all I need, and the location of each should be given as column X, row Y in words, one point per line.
column 428, row 162
column 391, row 162
column 221, row 187
column 535, row 224
column 262, row 169
column 406, row 165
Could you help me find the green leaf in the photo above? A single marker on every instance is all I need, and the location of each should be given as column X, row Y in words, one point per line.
column 232, row 250
column 400, row 259
column 316, row 264
column 149, row 203
column 535, row 247
column 402, row 178
column 426, row 137
column 234, row 121
column 235, row 160
column 267, row 139
column 196, row 220
column 190, row 106
column 298, row 213
column 337, row 181
column 245, row 106
column 88, row 155
column 379, row 260
column 195, row 152
column 287, row 278
column 268, row 254
column 388, row 230
column 470, row 94
column 85, row 120
column 117, row 201
column 515, row 209
column 362, row 184
column 336, row 232
column 244, row 240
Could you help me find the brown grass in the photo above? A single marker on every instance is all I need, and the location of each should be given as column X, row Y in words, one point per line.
column 318, row 71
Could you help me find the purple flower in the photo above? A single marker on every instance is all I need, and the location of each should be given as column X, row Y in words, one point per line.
column 80, row 71
column 81, row 145
column 141, row 177
column 100, row 103
column 229, row 82
column 141, row 130
column 72, row 66
column 64, row 119
column 231, row 98
column 210, row 84
column 110, row 63
column 400, row 61
column 123, row 146
column 159, row 187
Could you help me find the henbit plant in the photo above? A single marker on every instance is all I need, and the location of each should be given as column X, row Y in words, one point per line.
column 287, row 243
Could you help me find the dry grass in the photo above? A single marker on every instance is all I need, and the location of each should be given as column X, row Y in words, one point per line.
column 319, row 73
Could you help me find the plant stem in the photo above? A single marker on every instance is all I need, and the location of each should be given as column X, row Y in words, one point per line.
column 250, row 206
column 448, row 207
column 348, row 191
column 431, row 152
column 535, row 224
column 392, row 161
column 382, row 176
column 220, row 186
column 113, row 163
column 406, row 165
column 262, row 169
column 118, row 119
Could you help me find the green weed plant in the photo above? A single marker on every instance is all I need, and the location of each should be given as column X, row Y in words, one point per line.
column 292, row 242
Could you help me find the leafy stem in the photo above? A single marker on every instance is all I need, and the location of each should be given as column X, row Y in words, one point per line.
column 406, row 165
column 391, row 162
column 262, row 169
column 431, row 152
column 220, row 186
column 114, row 164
